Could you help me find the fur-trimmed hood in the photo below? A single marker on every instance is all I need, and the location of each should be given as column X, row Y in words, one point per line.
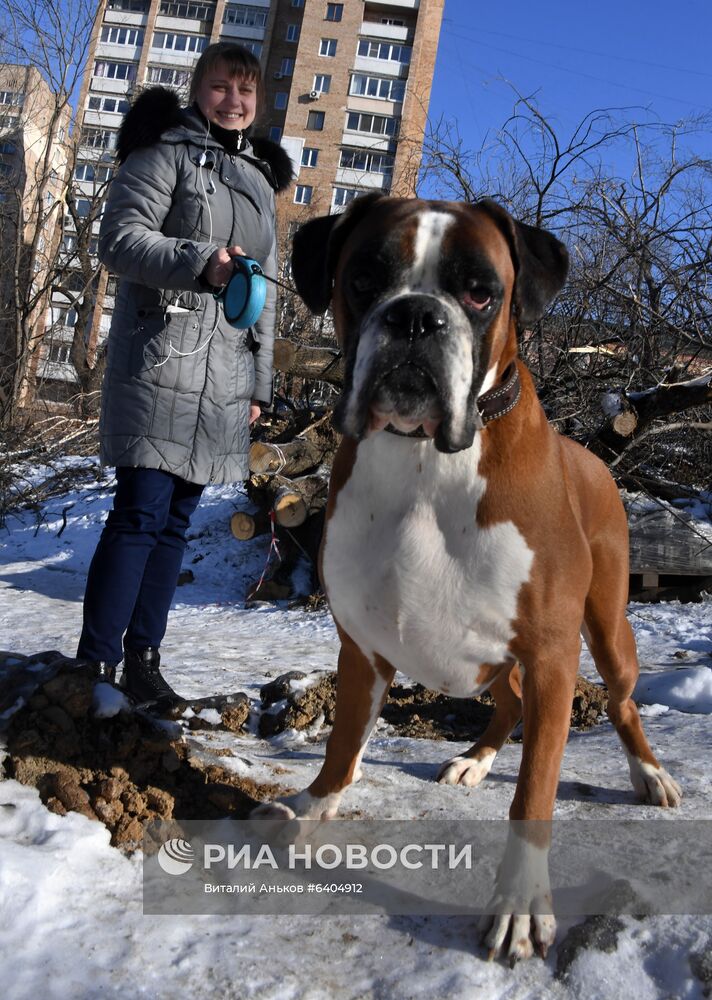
column 157, row 112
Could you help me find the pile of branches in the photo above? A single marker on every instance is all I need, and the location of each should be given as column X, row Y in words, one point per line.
column 290, row 463
column 34, row 467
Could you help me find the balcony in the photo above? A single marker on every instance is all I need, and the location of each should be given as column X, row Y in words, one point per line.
column 393, row 32
column 361, row 178
column 366, row 140
column 380, row 67
column 400, row 4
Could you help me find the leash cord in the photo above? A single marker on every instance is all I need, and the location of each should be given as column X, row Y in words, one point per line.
column 273, row 547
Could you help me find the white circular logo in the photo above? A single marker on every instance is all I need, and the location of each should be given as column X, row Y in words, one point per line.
column 176, row 857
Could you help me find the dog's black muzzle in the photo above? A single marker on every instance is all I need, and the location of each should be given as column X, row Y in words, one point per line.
column 413, row 317
column 410, row 355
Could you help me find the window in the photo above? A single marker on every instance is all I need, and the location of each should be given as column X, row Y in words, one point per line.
column 280, row 100
column 371, row 163
column 6, row 169
column 7, row 148
column 334, row 11
column 83, row 207
column 169, row 76
column 61, row 353
column 112, row 284
column 178, row 43
column 315, row 121
column 115, row 105
column 92, row 172
column 310, row 155
column 342, row 196
column 275, row 133
column 251, row 17
column 327, row 47
column 385, row 88
column 292, row 33
column 98, row 138
column 121, row 36
column 303, row 194
column 194, row 11
column 390, row 51
column 287, row 67
column 69, row 241
column 64, row 316
column 373, row 124
column 115, row 70
column 322, row 83
column 12, row 97
column 134, row 6
column 297, row 3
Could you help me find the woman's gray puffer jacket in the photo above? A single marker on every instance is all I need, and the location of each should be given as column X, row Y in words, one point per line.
column 179, row 378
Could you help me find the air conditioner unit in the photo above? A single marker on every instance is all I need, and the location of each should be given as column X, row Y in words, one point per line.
column 315, row 94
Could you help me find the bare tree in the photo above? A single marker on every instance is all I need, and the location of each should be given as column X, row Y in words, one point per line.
column 46, row 232
column 633, row 203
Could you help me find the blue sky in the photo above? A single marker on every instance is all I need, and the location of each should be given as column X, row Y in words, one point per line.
column 576, row 56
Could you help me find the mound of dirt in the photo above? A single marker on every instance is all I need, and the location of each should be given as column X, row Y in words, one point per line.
column 293, row 702
column 131, row 769
column 125, row 771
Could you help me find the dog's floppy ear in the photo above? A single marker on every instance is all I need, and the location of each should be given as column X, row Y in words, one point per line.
column 316, row 247
column 541, row 262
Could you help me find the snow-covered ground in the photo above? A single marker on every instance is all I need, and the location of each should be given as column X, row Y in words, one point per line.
column 71, row 923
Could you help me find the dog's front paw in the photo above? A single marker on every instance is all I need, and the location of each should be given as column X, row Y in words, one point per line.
column 469, row 771
column 304, row 805
column 654, row 785
column 520, row 915
column 273, row 810
column 526, row 934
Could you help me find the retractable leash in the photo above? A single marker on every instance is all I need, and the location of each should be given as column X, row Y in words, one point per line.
column 243, row 297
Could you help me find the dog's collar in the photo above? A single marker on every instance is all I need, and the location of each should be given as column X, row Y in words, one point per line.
column 490, row 405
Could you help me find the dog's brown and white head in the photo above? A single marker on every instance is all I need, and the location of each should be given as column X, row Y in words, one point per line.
column 426, row 297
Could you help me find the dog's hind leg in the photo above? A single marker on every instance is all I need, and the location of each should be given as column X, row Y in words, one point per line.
column 612, row 644
column 472, row 767
column 361, row 690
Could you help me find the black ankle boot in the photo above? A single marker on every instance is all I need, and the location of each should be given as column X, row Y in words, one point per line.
column 143, row 681
column 102, row 671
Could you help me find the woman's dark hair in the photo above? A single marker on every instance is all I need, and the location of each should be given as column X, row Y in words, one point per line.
column 239, row 62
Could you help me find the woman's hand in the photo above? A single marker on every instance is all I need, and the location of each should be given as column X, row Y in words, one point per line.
column 255, row 411
column 220, row 267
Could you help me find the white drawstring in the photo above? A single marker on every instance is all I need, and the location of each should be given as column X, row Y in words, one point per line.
column 172, row 352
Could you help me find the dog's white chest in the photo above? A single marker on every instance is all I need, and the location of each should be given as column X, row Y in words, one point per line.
column 409, row 573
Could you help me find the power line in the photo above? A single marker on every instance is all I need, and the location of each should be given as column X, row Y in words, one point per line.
column 573, row 72
column 572, row 48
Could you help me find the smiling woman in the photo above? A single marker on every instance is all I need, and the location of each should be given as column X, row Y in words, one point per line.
column 194, row 191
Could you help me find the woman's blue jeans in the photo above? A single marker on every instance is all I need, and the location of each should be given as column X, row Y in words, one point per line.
column 134, row 571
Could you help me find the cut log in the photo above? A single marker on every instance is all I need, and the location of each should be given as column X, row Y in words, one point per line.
column 322, row 363
column 624, row 423
column 245, row 526
column 295, row 501
column 289, row 459
column 636, row 410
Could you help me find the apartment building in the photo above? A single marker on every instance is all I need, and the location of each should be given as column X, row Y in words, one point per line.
column 347, row 91
column 34, row 149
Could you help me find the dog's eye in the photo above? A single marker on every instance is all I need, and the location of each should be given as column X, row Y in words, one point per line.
column 477, row 297
column 363, row 284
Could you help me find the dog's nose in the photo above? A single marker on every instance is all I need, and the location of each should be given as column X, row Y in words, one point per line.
column 414, row 316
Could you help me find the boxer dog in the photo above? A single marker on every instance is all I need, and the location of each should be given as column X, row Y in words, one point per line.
column 467, row 544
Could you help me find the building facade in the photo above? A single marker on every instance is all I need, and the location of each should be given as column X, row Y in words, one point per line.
column 347, row 90
column 34, row 151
